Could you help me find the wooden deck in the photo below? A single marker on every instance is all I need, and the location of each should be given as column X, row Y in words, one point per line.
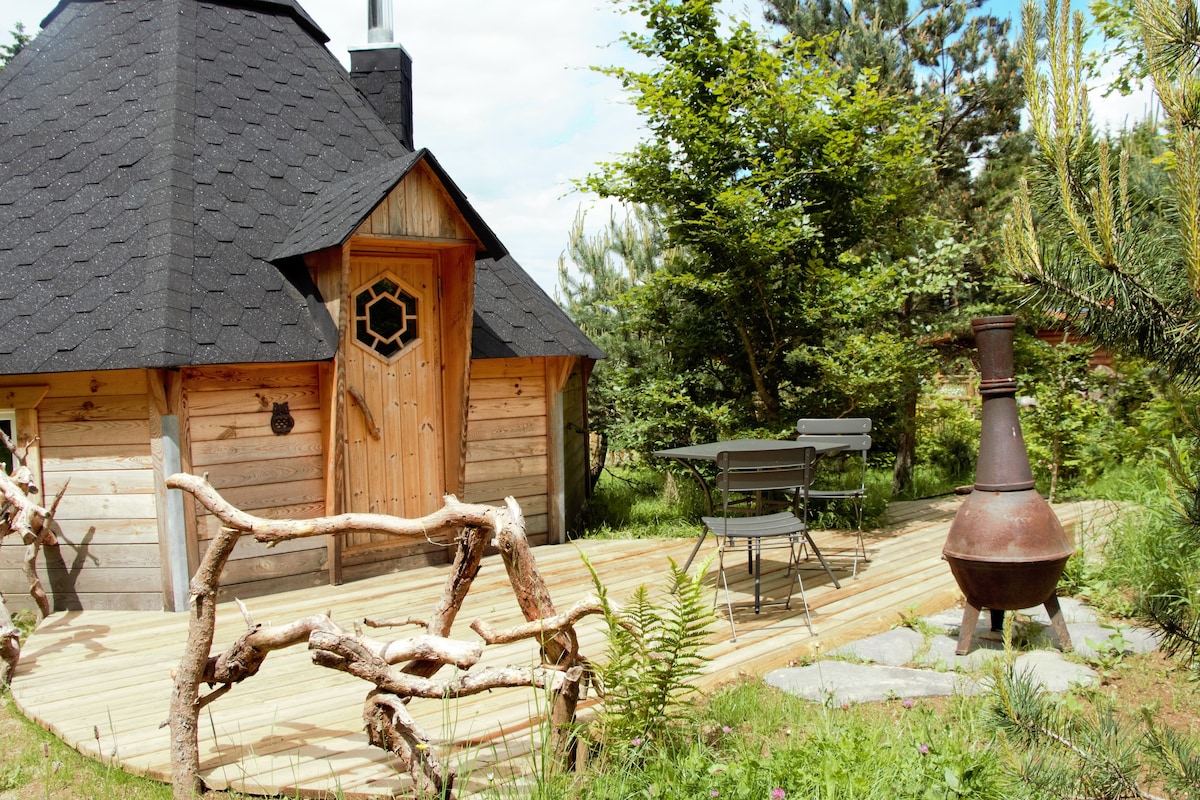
column 100, row 680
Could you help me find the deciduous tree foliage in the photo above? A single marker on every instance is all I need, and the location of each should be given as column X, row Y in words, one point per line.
column 768, row 168
column 955, row 57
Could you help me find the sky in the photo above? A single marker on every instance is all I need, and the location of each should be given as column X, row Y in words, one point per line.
column 505, row 99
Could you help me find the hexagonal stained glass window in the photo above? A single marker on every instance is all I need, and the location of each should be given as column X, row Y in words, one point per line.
column 385, row 317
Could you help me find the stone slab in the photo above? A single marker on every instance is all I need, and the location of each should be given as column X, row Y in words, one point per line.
column 845, row 682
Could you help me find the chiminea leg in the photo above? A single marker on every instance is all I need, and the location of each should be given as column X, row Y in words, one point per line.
column 967, row 632
column 1059, row 624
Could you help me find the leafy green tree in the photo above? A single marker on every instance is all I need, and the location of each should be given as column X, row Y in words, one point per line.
column 957, row 59
column 947, row 52
column 19, row 39
column 768, row 170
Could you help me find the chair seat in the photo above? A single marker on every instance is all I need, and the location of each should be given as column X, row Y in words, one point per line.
column 779, row 524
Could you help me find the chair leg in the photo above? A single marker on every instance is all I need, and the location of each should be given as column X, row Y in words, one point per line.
column 723, row 579
column 859, row 545
column 824, row 563
column 757, row 575
column 804, row 602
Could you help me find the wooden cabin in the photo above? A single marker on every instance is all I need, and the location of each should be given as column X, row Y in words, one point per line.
column 221, row 254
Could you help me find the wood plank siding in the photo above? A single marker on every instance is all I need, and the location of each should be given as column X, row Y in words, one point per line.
column 228, row 412
column 93, row 431
column 507, row 438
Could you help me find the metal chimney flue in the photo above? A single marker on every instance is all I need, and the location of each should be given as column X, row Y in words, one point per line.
column 379, row 21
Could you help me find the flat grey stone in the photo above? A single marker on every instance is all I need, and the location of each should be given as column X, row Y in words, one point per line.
column 1052, row 672
column 844, row 682
column 941, row 655
column 1090, row 638
column 895, row 648
column 1072, row 610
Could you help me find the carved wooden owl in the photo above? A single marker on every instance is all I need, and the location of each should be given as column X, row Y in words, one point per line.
column 281, row 420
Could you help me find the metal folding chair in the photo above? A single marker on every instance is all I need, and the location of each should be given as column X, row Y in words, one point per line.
column 755, row 473
column 854, row 434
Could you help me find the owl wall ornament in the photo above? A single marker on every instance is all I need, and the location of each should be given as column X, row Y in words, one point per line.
column 281, row 420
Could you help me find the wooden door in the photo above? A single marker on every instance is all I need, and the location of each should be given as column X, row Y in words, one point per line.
column 394, row 455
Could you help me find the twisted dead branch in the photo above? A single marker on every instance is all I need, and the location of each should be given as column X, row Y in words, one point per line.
column 34, row 524
column 388, row 723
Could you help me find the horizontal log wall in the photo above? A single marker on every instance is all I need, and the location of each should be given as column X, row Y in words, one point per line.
column 228, row 413
column 506, row 438
column 94, row 432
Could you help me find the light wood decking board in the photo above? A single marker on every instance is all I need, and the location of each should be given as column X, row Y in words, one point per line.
column 296, row 728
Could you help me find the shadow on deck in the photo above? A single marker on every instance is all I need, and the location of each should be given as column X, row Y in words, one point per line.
column 101, row 681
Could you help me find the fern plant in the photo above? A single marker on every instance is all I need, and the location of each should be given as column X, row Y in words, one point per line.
column 653, row 653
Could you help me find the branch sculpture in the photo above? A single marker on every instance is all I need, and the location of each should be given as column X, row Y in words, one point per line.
column 388, row 723
column 34, row 524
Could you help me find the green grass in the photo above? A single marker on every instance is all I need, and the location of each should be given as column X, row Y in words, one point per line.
column 36, row 764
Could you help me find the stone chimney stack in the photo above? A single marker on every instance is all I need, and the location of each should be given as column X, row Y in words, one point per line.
column 382, row 72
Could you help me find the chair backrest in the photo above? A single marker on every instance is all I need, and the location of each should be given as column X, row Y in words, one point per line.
column 834, row 426
column 765, row 470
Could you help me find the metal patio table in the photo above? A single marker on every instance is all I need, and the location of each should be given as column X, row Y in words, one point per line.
column 692, row 454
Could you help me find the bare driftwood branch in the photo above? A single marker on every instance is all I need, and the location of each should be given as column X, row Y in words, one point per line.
column 390, row 727
column 538, row 629
column 561, row 650
column 10, row 644
column 32, row 522
column 185, row 695
column 388, row 723
column 451, row 517
column 347, row 654
column 246, row 655
column 394, row 623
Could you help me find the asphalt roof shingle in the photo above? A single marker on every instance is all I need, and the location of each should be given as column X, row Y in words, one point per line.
column 162, row 161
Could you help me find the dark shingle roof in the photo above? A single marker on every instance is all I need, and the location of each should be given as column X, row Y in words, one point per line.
column 154, row 156
column 515, row 318
column 341, row 207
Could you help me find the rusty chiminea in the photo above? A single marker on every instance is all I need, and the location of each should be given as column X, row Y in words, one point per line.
column 1006, row 548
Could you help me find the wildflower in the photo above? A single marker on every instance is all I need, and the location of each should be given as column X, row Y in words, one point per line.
column 715, row 793
column 908, row 702
column 777, row 793
column 637, row 741
column 726, row 729
column 923, row 749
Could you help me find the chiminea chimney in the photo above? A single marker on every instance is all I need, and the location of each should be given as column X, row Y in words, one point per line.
column 382, row 72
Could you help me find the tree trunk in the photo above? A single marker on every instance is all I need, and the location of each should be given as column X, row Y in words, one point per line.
column 906, row 442
column 597, row 456
column 766, row 395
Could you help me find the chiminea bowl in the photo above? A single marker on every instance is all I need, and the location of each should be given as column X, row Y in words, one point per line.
column 1006, row 550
